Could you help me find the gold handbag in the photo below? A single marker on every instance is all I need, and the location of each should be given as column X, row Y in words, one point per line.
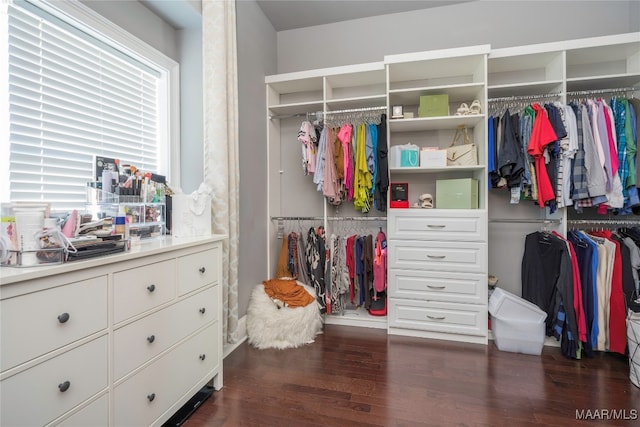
column 465, row 154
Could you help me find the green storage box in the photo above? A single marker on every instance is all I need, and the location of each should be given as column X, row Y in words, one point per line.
column 457, row 193
column 434, row 106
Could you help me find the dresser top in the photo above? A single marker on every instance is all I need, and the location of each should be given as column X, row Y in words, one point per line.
column 164, row 244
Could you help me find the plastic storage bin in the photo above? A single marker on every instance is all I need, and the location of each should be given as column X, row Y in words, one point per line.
column 518, row 325
column 633, row 338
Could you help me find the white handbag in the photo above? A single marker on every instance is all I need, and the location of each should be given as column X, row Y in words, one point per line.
column 465, row 154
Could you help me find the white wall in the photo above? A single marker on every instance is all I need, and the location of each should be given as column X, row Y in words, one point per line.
column 191, row 109
column 139, row 21
column 256, row 59
column 499, row 23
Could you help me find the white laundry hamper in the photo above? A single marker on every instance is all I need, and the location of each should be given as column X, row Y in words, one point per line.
column 633, row 339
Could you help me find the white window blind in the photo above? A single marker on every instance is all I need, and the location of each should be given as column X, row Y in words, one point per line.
column 72, row 97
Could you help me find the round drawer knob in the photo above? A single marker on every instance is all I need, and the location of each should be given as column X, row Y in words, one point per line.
column 64, row 386
column 202, row 310
column 202, row 356
column 63, row 317
column 151, row 397
column 151, row 288
column 151, row 338
column 202, row 270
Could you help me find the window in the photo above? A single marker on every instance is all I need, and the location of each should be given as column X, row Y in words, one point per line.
column 77, row 87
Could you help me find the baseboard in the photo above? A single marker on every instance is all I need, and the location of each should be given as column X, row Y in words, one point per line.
column 242, row 332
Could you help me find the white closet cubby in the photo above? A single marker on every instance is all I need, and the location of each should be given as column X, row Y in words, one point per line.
column 541, row 73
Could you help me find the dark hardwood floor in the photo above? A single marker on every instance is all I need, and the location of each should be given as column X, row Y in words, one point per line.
column 362, row 377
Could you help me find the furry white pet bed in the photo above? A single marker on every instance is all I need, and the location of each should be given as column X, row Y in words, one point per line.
column 271, row 327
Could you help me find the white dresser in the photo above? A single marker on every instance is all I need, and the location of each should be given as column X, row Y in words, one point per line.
column 438, row 274
column 120, row 340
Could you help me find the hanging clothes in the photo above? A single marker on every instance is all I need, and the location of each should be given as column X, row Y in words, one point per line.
column 380, row 262
column 510, row 161
column 382, row 177
column 307, row 136
column 315, row 260
column 542, row 135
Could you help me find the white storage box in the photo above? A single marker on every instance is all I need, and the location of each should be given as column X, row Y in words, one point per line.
column 433, row 158
column 518, row 325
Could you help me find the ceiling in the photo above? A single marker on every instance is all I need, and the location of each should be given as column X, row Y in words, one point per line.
column 291, row 14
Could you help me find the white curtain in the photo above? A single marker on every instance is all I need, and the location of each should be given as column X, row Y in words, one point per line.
column 221, row 143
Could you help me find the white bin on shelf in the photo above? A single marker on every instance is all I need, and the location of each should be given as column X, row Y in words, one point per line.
column 518, row 325
column 633, row 338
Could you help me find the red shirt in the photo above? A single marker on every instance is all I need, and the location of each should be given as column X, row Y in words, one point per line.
column 542, row 134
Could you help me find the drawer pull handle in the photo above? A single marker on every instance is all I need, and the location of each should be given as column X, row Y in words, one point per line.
column 151, row 338
column 202, row 356
column 151, row 288
column 63, row 317
column 151, row 397
column 202, row 270
column 64, row 386
column 435, row 287
column 202, row 310
column 436, row 317
column 436, row 256
column 435, row 226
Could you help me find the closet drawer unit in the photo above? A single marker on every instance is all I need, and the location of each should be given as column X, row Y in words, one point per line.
column 95, row 414
column 141, row 399
column 470, row 257
column 46, row 391
column 451, row 318
column 144, row 339
column 197, row 270
column 39, row 322
column 141, row 289
column 454, row 225
column 438, row 286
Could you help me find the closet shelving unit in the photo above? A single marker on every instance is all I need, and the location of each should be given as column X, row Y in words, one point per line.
column 437, row 258
column 292, row 198
column 561, row 71
column 436, row 298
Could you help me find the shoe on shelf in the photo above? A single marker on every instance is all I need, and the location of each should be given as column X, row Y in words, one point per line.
column 463, row 110
column 475, row 107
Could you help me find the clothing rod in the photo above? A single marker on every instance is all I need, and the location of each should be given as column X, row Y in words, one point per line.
column 604, row 221
column 355, row 110
column 524, row 97
column 610, row 90
column 330, row 218
column 289, row 116
column 526, row 220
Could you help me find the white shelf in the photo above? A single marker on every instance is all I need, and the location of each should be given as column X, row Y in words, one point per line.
column 422, row 170
column 603, row 82
column 457, row 93
column 357, row 102
column 296, row 108
column 520, row 89
column 434, row 123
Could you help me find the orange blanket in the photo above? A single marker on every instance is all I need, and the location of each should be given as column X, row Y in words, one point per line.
column 288, row 291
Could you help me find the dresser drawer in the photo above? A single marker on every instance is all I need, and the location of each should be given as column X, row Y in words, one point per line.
column 38, row 395
column 468, row 257
column 138, row 290
column 36, row 323
column 143, row 339
column 141, row 399
column 454, row 225
column 438, row 286
column 452, row 318
column 96, row 414
column 197, row 270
